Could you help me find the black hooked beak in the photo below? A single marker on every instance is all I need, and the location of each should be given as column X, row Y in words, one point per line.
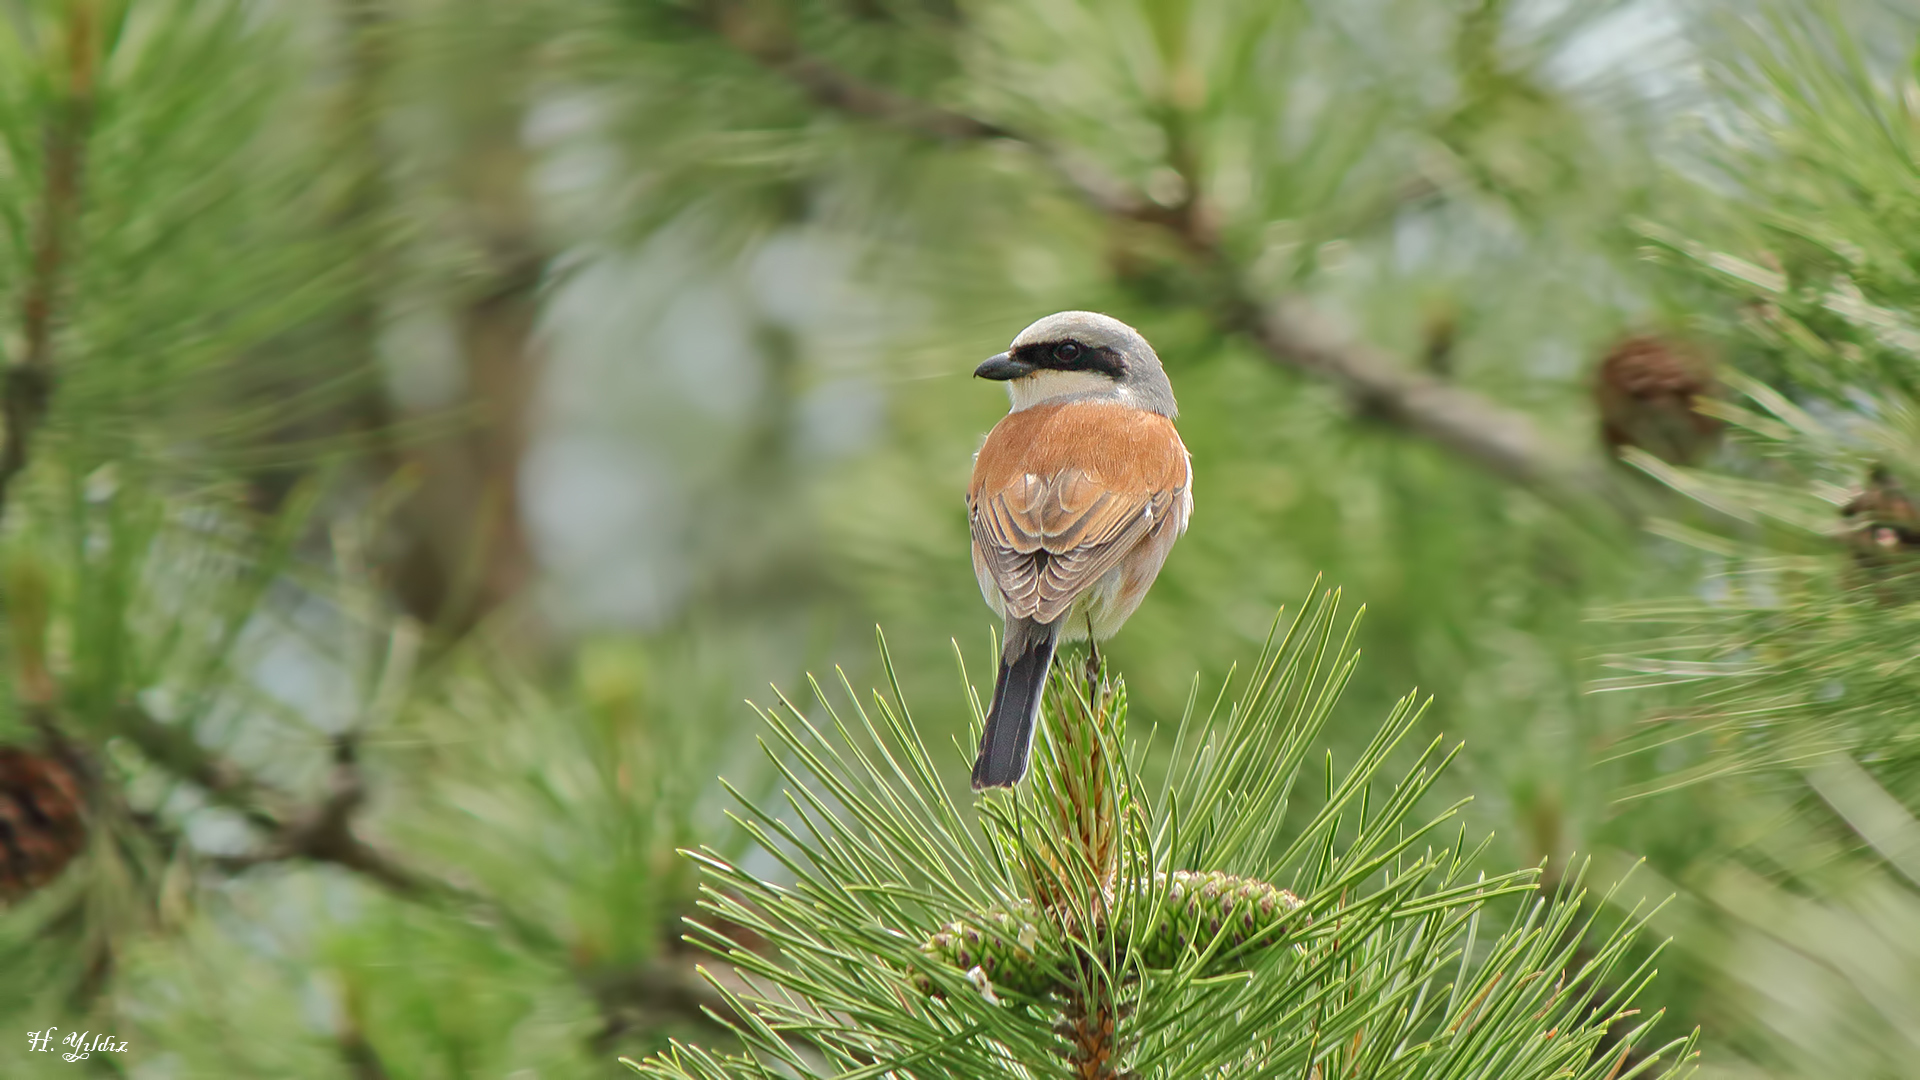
column 1002, row 367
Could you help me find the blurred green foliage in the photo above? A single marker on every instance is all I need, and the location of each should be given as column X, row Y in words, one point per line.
column 455, row 407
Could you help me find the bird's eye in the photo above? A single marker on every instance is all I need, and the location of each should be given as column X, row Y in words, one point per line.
column 1067, row 352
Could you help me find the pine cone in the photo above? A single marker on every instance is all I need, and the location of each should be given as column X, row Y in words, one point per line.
column 1202, row 907
column 41, row 828
column 1647, row 388
column 1000, row 945
column 1881, row 517
column 1198, row 909
column 1882, row 527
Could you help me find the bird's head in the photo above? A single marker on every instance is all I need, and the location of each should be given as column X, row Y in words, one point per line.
column 1081, row 355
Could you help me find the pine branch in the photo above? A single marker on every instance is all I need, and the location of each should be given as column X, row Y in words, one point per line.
column 28, row 387
column 1502, row 441
column 1078, row 886
column 832, row 88
column 1288, row 330
column 324, row 833
column 177, row 751
column 636, row 997
column 357, row 1053
column 360, row 1058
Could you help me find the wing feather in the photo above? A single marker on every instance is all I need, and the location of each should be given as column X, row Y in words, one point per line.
column 1046, row 528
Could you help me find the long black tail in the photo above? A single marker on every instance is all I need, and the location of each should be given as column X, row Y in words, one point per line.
column 1008, row 739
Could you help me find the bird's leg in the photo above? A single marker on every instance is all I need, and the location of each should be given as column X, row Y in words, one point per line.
column 1093, row 662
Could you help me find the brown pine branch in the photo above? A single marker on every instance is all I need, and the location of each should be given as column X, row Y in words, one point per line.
column 637, row 997
column 27, row 389
column 324, row 832
column 360, row 1058
column 1502, row 441
column 357, row 1052
column 748, row 32
column 1075, row 880
column 174, row 749
column 1288, row 330
column 321, row 832
column 1088, row 1025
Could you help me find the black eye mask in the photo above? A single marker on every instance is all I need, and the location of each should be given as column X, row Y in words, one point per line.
column 1072, row 356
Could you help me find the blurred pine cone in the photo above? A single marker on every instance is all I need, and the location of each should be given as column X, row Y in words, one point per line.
column 1882, row 523
column 41, row 828
column 1647, row 388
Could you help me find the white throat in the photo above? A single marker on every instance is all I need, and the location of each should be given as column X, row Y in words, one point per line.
column 1045, row 386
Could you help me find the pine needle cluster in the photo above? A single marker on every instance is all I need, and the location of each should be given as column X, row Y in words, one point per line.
column 1096, row 923
column 1794, row 664
column 1800, row 648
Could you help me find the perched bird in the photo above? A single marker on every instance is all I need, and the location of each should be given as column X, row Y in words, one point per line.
column 1077, row 497
column 1647, row 388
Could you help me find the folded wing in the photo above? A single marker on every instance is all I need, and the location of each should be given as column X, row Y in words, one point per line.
column 1061, row 494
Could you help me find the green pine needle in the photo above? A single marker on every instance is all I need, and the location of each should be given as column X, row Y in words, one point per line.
column 1220, row 926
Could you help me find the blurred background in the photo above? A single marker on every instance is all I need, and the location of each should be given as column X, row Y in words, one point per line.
column 426, row 421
